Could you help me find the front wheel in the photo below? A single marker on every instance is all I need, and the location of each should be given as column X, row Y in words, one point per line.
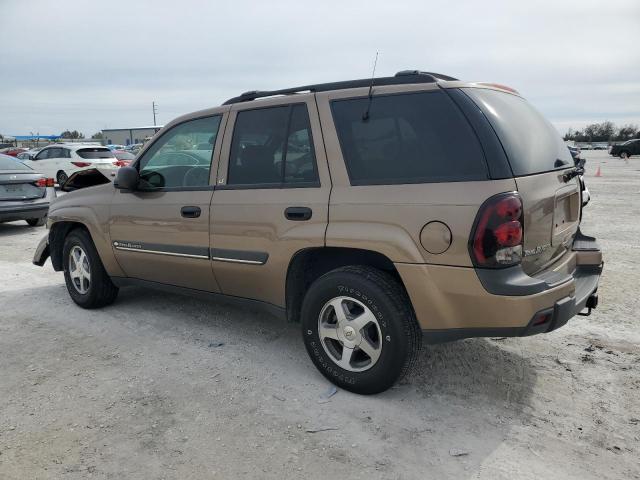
column 359, row 329
column 87, row 281
column 624, row 155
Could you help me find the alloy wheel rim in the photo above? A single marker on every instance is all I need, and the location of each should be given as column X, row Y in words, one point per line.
column 350, row 334
column 79, row 270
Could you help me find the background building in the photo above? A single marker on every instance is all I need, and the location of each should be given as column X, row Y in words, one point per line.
column 127, row 136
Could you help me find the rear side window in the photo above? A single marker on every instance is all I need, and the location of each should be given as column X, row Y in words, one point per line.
column 94, row 153
column 273, row 147
column 407, row 138
column 532, row 144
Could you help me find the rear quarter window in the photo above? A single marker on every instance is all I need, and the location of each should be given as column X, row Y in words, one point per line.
column 531, row 143
column 407, row 138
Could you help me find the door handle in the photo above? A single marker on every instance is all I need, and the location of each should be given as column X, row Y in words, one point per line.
column 190, row 212
column 298, row 214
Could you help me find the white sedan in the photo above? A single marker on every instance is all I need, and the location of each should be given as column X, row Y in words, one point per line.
column 61, row 160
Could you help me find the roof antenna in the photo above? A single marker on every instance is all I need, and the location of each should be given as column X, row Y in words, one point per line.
column 365, row 115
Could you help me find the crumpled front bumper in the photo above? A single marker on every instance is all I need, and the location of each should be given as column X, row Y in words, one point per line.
column 42, row 251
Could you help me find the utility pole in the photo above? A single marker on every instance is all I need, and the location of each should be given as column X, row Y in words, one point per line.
column 154, row 114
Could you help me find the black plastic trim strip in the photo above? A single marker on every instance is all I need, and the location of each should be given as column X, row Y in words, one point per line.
column 162, row 249
column 495, row 156
column 239, row 256
column 513, row 281
column 204, row 253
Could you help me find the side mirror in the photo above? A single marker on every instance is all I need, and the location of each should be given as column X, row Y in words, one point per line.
column 127, row 178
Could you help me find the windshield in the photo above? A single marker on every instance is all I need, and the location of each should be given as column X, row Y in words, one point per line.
column 10, row 163
column 94, row 153
column 532, row 144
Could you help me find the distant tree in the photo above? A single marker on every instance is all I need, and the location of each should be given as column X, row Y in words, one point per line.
column 627, row 132
column 603, row 132
column 73, row 135
column 569, row 135
column 97, row 136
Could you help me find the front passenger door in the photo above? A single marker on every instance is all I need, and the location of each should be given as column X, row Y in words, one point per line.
column 160, row 232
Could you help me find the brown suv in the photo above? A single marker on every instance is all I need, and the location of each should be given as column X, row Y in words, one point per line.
column 374, row 212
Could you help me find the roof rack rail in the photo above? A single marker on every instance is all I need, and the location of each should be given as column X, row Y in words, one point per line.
column 400, row 78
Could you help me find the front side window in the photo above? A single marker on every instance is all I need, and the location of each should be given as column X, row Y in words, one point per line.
column 182, row 156
column 43, row 155
column 273, row 147
column 407, row 138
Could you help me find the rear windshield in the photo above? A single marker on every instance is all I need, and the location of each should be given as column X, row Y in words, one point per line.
column 93, row 153
column 407, row 138
column 532, row 144
column 11, row 163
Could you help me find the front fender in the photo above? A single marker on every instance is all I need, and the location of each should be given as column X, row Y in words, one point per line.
column 95, row 220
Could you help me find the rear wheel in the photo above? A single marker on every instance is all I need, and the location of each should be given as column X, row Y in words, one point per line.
column 359, row 329
column 37, row 222
column 61, row 178
column 87, row 281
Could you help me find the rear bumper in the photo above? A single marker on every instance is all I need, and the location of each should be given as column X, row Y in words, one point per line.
column 456, row 302
column 24, row 210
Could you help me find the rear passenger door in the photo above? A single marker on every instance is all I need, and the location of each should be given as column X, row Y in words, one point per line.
column 272, row 196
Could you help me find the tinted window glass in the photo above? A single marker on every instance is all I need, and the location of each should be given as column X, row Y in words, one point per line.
column 300, row 160
column 532, row 144
column 124, row 156
column 9, row 163
column 263, row 138
column 43, row 154
column 407, row 138
column 94, row 153
column 181, row 157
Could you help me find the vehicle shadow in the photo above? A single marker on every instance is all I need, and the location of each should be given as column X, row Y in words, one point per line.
column 462, row 402
column 17, row 228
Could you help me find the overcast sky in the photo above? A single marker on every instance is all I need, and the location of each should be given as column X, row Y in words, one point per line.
column 88, row 65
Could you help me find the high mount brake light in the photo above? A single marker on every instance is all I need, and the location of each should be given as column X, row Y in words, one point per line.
column 497, row 238
column 82, row 164
column 45, row 182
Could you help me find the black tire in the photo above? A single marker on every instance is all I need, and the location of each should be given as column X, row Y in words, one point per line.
column 61, row 178
column 36, row 222
column 101, row 290
column 401, row 335
column 624, row 155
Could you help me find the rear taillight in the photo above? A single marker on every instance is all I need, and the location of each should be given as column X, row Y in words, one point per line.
column 82, row 164
column 498, row 233
column 45, row 182
column 121, row 163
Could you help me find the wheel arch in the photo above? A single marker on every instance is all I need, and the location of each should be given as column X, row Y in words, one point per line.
column 309, row 264
column 57, row 234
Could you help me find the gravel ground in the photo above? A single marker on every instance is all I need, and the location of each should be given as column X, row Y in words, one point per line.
column 159, row 386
